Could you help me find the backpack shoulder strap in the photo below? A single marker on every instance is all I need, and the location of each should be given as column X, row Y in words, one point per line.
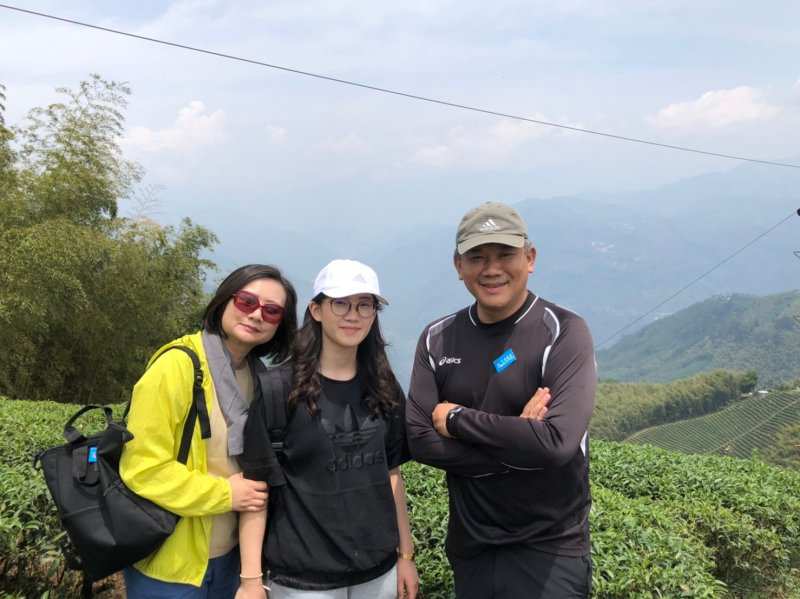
column 197, row 409
column 276, row 383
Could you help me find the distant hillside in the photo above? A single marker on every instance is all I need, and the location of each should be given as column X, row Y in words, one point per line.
column 762, row 423
column 740, row 332
column 610, row 257
column 624, row 408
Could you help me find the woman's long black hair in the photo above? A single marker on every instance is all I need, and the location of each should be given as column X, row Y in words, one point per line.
column 379, row 384
column 276, row 349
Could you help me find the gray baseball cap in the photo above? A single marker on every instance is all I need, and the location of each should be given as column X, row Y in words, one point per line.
column 492, row 222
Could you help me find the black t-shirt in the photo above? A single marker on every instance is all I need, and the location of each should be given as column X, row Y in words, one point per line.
column 333, row 523
column 511, row 480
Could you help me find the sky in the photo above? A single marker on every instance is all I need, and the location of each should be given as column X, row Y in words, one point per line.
column 236, row 146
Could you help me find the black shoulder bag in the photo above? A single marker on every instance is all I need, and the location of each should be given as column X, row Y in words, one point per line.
column 111, row 527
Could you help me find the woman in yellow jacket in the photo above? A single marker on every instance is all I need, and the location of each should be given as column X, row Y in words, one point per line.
column 251, row 316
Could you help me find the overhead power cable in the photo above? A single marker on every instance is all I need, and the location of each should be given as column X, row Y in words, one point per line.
column 696, row 279
column 394, row 92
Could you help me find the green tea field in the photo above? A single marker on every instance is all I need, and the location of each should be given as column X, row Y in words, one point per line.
column 663, row 524
column 738, row 430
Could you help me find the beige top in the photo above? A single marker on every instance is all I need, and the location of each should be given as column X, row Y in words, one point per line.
column 225, row 527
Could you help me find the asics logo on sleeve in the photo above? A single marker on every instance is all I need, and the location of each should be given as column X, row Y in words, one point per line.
column 445, row 360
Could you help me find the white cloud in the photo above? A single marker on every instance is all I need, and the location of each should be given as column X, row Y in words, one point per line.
column 194, row 127
column 485, row 146
column 439, row 156
column 718, row 108
column 277, row 134
column 461, row 51
column 508, row 134
column 349, row 144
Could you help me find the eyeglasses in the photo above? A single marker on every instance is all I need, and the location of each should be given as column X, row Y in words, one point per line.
column 247, row 302
column 364, row 308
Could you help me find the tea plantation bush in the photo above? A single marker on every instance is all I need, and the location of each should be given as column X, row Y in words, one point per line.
column 746, row 511
column 663, row 524
column 640, row 550
column 624, row 408
column 30, row 533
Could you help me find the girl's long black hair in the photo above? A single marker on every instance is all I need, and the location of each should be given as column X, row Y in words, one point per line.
column 378, row 381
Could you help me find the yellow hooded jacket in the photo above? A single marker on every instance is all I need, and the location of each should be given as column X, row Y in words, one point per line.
column 149, row 466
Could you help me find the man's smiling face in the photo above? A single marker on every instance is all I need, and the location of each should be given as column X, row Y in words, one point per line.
column 497, row 277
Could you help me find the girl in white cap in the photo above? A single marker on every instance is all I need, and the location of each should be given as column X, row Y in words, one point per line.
column 338, row 527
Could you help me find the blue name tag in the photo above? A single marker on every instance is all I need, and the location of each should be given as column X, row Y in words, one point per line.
column 92, row 458
column 505, row 360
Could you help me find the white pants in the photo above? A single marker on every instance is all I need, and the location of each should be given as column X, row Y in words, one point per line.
column 383, row 587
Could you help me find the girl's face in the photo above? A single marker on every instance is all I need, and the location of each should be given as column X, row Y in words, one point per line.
column 246, row 328
column 345, row 321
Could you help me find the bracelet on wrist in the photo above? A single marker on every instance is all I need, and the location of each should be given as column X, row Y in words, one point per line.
column 258, row 576
column 407, row 556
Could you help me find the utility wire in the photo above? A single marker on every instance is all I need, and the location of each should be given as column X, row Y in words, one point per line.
column 463, row 107
column 702, row 276
column 399, row 93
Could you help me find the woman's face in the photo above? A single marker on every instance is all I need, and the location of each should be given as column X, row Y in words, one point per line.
column 342, row 319
column 245, row 330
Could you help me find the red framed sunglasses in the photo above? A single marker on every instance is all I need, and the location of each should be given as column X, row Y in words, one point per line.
column 247, row 302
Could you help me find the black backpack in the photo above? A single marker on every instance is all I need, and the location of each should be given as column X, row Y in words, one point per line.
column 109, row 526
column 275, row 383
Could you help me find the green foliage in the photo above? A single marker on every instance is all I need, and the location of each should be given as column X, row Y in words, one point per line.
column 788, row 386
column 769, row 424
column 427, row 507
column 745, row 510
column 85, row 296
column 740, row 332
column 745, row 555
column 785, row 447
column 624, row 408
column 7, row 156
column 70, row 156
column 638, row 548
column 30, row 531
column 30, row 426
column 663, row 524
column 642, row 550
column 31, row 536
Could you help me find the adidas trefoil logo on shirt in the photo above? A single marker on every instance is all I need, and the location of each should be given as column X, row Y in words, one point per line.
column 350, row 433
column 350, row 437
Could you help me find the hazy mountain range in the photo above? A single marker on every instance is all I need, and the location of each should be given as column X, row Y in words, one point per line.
column 608, row 257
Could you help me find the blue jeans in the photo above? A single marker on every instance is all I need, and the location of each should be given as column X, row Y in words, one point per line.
column 220, row 582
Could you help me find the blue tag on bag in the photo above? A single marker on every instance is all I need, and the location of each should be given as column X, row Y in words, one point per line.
column 92, row 457
column 506, row 359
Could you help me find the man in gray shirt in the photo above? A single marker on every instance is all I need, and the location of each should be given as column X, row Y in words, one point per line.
column 500, row 398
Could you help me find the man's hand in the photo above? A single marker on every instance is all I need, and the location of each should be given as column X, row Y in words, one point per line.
column 536, row 408
column 440, row 417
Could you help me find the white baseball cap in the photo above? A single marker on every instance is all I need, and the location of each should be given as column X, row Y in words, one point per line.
column 341, row 278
